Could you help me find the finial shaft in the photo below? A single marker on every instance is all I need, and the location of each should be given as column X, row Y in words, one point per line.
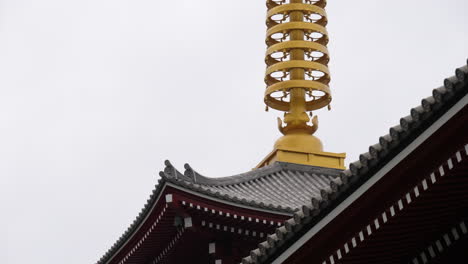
column 295, row 116
column 297, row 79
column 297, row 75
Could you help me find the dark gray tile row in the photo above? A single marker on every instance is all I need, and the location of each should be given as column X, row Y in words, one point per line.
column 133, row 227
column 388, row 147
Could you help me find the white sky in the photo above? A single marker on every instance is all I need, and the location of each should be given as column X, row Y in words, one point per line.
column 96, row 94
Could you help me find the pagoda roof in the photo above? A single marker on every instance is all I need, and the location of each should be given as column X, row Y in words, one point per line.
column 280, row 188
column 452, row 94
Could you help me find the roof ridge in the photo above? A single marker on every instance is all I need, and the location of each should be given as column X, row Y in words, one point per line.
column 229, row 180
column 192, row 176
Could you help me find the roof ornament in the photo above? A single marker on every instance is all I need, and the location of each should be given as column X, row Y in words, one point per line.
column 170, row 170
column 297, row 79
column 190, row 172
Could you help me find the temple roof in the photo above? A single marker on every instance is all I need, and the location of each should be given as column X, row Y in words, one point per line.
column 453, row 91
column 307, row 192
column 281, row 186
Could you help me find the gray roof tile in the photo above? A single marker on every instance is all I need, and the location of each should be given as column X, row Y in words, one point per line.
column 281, row 186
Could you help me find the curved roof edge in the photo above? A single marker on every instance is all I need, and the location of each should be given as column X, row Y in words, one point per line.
column 145, row 211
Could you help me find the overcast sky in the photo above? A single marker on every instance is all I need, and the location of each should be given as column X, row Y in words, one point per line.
column 96, row 94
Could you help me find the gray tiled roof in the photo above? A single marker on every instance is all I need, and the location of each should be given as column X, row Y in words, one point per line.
column 280, row 187
column 411, row 126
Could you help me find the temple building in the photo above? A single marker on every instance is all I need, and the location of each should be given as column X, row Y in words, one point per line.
column 404, row 201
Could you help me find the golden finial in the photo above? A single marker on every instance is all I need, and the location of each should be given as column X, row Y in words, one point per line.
column 297, row 79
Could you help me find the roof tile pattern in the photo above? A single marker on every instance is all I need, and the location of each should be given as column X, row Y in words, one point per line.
column 389, row 145
column 281, row 186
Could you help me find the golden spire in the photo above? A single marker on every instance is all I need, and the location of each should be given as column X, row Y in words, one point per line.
column 297, row 79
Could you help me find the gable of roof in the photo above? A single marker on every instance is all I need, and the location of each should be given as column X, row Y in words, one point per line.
column 453, row 91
